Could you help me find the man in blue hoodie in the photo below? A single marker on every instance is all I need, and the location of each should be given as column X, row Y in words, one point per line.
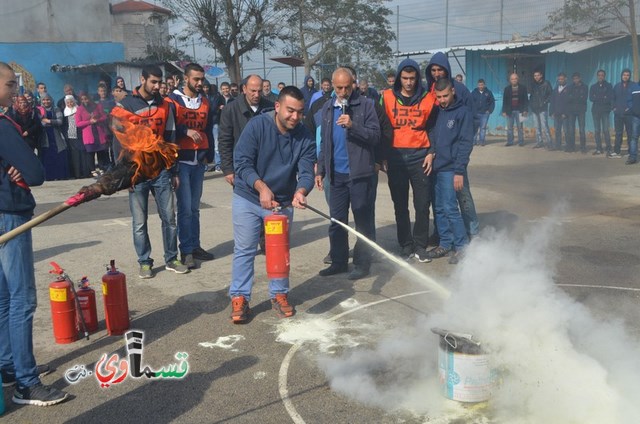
column 407, row 159
column 19, row 169
column 437, row 69
column 273, row 166
column 622, row 119
column 453, row 140
column 308, row 90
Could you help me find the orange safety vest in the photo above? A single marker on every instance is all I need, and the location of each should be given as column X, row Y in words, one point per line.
column 154, row 117
column 194, row 119
column 409, row 122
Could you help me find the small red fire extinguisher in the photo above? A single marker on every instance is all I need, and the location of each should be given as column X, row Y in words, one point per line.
column 87, row 301
column 276, row 240
column 116, row 305
column 63, row 308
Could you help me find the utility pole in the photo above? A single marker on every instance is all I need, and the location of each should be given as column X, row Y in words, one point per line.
column 446, row 25
column 397, row 34
column 193, row 45
column 501, row 17
column 264, row 60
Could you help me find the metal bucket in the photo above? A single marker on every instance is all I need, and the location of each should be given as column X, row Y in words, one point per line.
column 464, row 369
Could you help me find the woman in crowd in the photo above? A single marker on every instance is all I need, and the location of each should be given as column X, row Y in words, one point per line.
column 78, row 156
column 54, row 154
column 120, row 83
column 91, row 119
column 29, row 120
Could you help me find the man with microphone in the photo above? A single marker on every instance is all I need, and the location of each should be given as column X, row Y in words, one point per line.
column 349, row 132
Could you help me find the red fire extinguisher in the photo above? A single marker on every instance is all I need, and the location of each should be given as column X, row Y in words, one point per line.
column 87, row 301
column 276, row 240
column 116, row 305
column 63, row 308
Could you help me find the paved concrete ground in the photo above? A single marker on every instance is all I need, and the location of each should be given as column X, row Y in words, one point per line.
column 239, row 382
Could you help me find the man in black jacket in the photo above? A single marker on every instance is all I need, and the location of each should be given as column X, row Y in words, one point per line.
column 233, row 119
column 601, row 96
column 577, row 98
column 539, row 102
column 515, row 103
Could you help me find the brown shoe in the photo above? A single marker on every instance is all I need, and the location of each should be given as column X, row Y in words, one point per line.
column 239, row 309
column 281, row 305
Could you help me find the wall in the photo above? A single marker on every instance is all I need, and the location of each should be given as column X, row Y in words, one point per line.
column 54, row 21
column 138, row 30
column 37, row 59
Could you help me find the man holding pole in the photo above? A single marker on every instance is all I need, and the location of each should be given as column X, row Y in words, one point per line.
column 20, row 168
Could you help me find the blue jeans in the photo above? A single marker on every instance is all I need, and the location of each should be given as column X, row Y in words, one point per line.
column 514, row 119
column 216, row 160
column 247, row 222
column 633, row 143
column 162, row 191
column 480, row 129
column 360, row 195
column 601, row 124
column 188, row 197
column 543, row 136
column 449, row 220
column 468, row 208
column 17, row 303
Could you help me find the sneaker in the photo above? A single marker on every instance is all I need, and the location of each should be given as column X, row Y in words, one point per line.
column 438, row 252
column 333, row 269
column 358, row 272
column 509, row 144
column 630, row 161
column 239, row 309
column 281, row 306
column 614, row 155
column 145, row 271
column 597, row 152
column 538, row 146
column 188, row 261
column 455, row 257
column 176, row 266
column 407, row 253
column 39, row 395
column 422, row 255
column 202, row 255
column 9, row 378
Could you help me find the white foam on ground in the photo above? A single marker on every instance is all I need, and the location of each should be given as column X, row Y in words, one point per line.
column 224, row 342
column 559, row 364
column 325, row 334
column 259, row 375
column 349, row 303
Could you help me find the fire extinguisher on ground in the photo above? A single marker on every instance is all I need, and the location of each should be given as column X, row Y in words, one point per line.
column 87, row 301
column 116, row 305
column 63, row 309
column 276, row 236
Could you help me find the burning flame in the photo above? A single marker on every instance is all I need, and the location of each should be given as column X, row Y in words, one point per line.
column 147, row 151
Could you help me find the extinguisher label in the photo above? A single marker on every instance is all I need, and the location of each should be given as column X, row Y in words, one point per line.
column 273, row 227
column 58, row 295
column 104, row 289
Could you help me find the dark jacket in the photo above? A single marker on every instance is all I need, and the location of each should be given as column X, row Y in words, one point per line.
column 15, row 152
column 308, row 92
column 453, row 138
column 578, row 95
column 362, row 137
column 233, row 119
column 216, row 100
column 601, row 95
column 482, row 102
column 559, row 102
column 284, row 162
column 634, row 99
column 181, row 130
column 523, row 99
column 621, row 95
column 462, row 92
column 32, row 124
column 540, row 96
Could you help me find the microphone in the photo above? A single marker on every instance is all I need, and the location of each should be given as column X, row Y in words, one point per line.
column 343, row 107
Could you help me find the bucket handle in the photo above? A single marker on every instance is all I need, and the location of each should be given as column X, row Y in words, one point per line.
column 451, row 340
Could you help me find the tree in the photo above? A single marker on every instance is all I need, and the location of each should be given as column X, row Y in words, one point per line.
column 342, row 30
column 594, row 17
column 232, row 27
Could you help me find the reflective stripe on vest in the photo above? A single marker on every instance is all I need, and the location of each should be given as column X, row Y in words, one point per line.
column 194, row 119
column 409, row 122
column 154, row 117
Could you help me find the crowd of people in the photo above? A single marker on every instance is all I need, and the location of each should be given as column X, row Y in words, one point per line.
column 566, row 104
column 273, row 148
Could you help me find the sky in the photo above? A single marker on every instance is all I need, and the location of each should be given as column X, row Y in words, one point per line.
column 421, row 25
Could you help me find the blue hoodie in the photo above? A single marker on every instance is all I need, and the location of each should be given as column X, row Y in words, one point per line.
column 308, row 92
column 283, row 161
column 462, row 92
column 453, row 138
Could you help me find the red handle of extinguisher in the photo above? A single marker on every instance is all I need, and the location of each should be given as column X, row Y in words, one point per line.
column 56, row 269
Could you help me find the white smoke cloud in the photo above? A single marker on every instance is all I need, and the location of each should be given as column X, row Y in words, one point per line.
column 558, row 363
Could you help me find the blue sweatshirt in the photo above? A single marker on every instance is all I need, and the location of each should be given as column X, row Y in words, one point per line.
column 284, row 162
column 453, row 138
column 462, row 92
column 621, row 96
column 15, row 152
